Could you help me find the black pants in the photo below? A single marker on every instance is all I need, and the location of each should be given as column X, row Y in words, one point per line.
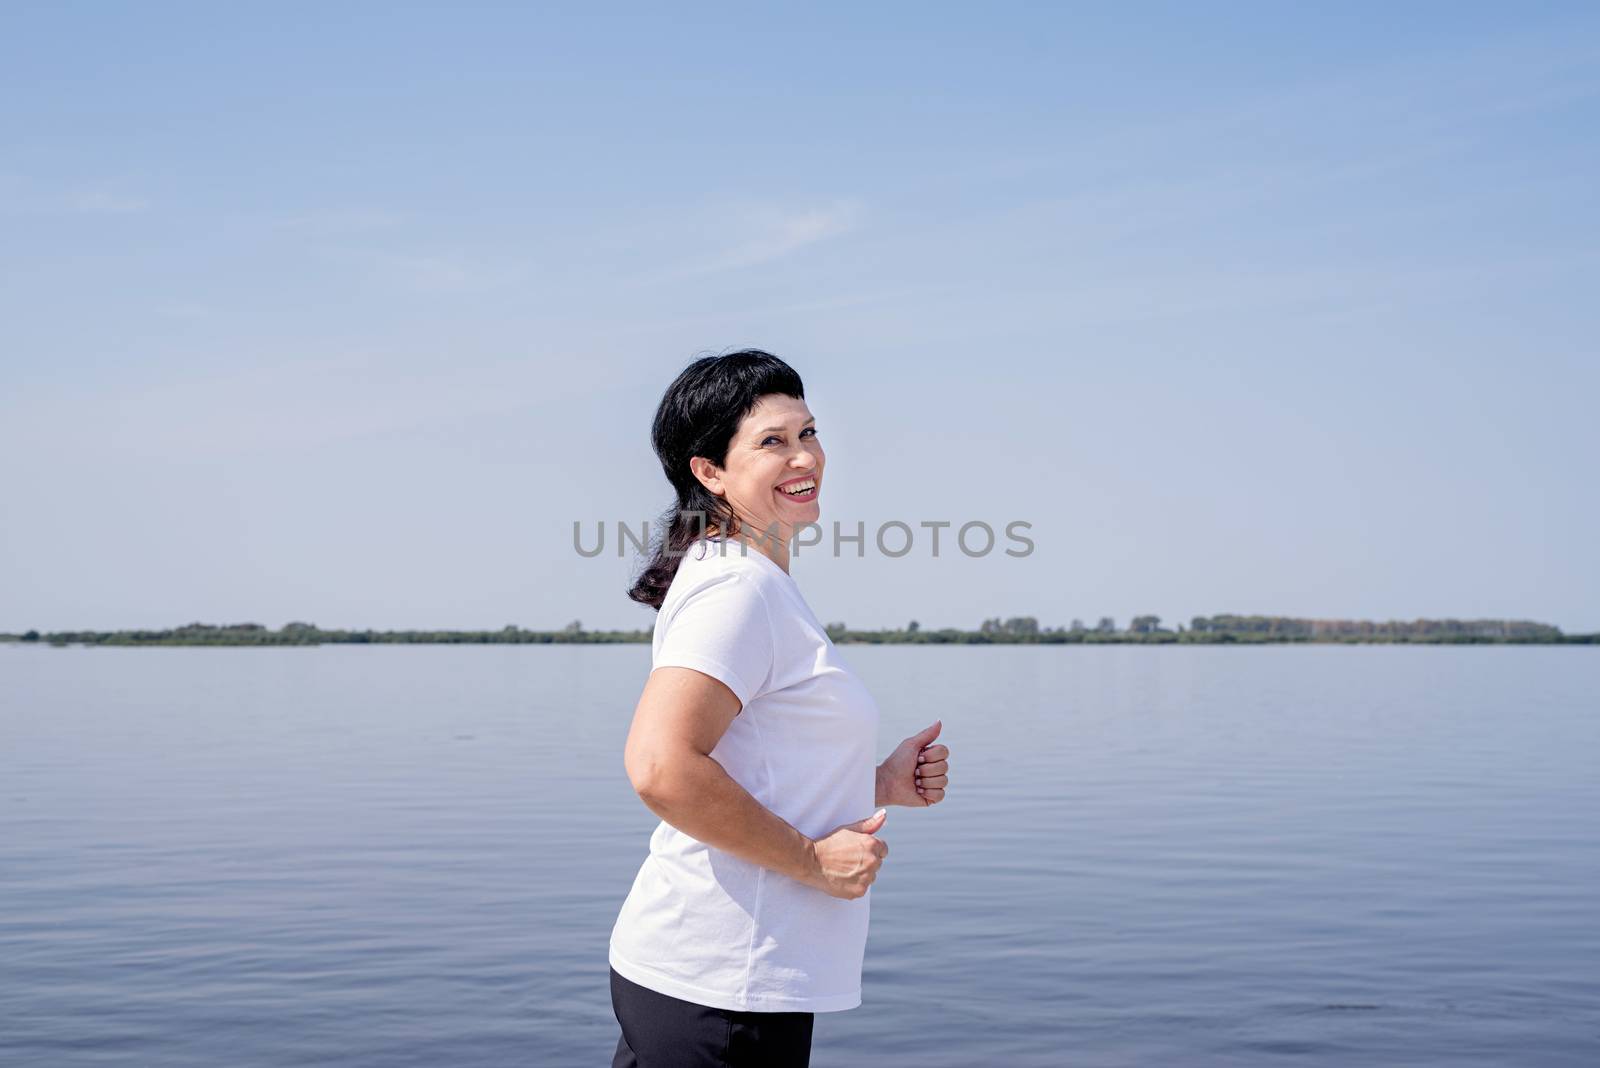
column 666, row 1032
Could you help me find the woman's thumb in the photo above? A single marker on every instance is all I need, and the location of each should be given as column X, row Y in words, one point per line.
column 872, row 822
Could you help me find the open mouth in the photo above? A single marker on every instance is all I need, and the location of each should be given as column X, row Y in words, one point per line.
column 804, row 489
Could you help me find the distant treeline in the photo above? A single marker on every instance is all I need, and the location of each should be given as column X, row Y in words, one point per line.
column 1018, row 630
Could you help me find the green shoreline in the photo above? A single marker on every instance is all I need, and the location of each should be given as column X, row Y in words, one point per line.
column 1023, row 630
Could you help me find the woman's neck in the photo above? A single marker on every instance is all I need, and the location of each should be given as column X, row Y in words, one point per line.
column 774, row 549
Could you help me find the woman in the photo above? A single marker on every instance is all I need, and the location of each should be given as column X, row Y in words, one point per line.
column 754, row 742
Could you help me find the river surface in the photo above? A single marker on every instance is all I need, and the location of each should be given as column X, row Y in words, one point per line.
column 394, row 856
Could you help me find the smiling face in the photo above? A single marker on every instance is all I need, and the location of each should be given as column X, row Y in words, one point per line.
column 775, row 450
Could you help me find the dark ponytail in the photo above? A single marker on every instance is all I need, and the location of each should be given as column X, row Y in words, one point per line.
column 698, row 416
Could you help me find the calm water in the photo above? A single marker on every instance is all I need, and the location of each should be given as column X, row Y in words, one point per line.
column 395, row 856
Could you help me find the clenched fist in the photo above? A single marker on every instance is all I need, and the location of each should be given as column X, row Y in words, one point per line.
column 848, row 858
column 917, row 772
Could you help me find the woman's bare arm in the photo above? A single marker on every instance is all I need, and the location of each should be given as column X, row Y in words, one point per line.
column 681, row 716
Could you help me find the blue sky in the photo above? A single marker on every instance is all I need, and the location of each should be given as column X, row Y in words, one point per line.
column 346, row 316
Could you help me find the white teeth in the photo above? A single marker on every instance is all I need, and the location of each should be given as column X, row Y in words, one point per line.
column 801, row 487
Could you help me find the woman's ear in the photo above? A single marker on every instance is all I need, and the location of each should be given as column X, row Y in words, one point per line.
column 709, row 474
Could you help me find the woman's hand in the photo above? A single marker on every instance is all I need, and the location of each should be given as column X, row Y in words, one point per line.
column 847, row 859
column 917, row 772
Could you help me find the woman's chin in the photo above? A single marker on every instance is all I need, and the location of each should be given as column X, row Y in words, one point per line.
column 810, row 519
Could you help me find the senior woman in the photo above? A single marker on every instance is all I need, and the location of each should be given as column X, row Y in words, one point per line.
column 754, row 742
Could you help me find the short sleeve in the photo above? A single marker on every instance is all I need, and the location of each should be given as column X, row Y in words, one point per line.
column 724, row 630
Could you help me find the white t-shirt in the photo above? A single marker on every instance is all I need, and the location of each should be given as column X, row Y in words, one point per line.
column 701, row 924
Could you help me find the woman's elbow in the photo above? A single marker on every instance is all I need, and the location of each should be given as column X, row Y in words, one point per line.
column 665, row 782
column 639, row 768
column 648, row 773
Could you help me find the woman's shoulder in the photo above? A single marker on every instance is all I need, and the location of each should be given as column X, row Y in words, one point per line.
column 707, row 559
column 709, row 566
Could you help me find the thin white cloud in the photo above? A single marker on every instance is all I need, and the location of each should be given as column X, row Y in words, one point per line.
column 433, row 273
column 104, row 202
column 784, row 234
column 305, row 402
column 22, row 196
column 1435, row 95
column 430, row 274
column 185, row 311
column 753, row 235
column 761, row 313
column 348, row 220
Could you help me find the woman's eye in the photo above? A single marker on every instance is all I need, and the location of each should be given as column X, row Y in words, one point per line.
column 808, row 430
